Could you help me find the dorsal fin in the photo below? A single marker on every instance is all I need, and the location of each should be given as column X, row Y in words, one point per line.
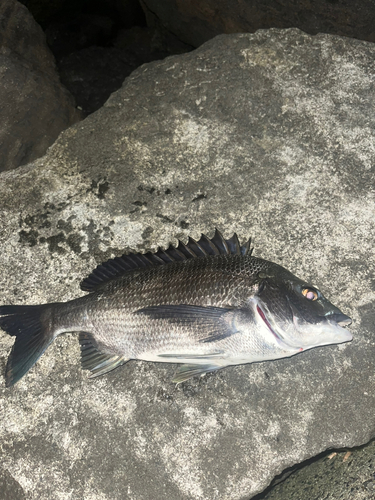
column 192, row 249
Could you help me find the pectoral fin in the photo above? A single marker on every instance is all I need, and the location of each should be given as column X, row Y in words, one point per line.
column 184, row 372
column 209, row 323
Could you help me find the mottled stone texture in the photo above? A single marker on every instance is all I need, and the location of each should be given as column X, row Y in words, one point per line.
column 269, row 135
column 342, row 475
column 34, row 106
column 196, row 21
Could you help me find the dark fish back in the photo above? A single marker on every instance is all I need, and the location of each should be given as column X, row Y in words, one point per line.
column 204, row 247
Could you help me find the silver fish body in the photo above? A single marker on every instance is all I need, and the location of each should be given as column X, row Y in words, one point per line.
column 205, row 305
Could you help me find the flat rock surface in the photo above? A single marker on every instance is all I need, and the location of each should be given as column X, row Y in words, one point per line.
column 269, row 135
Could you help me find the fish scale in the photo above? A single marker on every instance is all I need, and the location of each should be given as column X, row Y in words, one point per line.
column 206, row 304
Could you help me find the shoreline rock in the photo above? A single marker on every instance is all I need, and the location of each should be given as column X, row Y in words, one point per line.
column 268, row 135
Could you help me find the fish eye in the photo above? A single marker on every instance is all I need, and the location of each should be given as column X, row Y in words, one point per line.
column 310, row 294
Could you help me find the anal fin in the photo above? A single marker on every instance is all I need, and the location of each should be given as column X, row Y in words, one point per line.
column 96, row 361
column 184, row 372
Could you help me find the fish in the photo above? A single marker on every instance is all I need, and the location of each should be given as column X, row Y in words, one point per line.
column 204, row 305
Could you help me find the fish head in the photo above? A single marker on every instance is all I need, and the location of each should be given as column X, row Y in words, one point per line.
column 297, row 313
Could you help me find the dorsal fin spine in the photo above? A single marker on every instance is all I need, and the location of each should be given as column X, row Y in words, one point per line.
column 196, row 247
column 220, row 242
column 164, row 255
column 204, row 247
column 234, row 245
column 245, row 249
column 177, row 252
column 213, row 250
column 188, row 252
column 156, row 259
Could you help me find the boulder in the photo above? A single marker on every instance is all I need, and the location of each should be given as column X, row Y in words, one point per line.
column 34, row 106
column 338, row 475
column 197, row 21
column 268, row 134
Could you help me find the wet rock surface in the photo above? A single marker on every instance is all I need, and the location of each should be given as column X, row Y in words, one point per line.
column 268, row 134
column 34, row 106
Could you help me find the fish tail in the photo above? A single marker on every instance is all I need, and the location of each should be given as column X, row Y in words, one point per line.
column 32, row 327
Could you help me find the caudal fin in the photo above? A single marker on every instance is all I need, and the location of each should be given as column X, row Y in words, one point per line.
column 31, row 327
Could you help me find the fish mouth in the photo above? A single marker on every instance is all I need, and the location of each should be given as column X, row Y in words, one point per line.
column 331, row 325
column 339, row 318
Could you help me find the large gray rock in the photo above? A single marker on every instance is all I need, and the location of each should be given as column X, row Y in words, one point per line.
column 343, row 475
column 268, row 134
column 34, row 106
column 197, row 21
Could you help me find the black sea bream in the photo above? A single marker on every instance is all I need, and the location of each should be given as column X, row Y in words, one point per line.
column 207, row 304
